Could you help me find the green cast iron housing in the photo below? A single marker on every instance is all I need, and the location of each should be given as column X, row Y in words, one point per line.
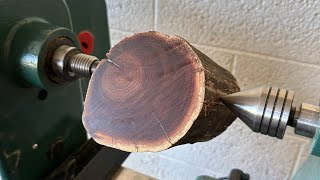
column 40, row 122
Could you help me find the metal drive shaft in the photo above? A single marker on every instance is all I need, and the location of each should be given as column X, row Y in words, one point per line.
column 69, row 63
column 269, row 110
column 83, row 65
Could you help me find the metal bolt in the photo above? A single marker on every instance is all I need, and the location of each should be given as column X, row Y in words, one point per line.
column 35, row 146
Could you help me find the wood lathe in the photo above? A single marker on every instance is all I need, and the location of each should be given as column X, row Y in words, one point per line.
column 150, row 92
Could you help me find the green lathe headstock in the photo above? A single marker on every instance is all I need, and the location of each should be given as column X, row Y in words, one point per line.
column 40, row 125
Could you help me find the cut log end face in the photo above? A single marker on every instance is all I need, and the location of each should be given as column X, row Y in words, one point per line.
column 149, row 97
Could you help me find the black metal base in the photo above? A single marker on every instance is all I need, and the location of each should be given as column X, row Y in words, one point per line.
column 90, row 161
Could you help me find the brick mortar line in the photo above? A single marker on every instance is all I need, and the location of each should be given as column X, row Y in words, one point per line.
column 119, row 30
column 245, row 53
column 155, row 14
column 298, row 159
column 296, row 137
column 193, row 166
column 234, row 64
column 260, row 56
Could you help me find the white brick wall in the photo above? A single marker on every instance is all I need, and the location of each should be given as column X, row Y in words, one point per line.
column 260, row 42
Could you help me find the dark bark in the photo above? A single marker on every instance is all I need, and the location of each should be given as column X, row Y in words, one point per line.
column 214, row 117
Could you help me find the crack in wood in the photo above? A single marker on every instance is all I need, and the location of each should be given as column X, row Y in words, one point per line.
column 154, row 116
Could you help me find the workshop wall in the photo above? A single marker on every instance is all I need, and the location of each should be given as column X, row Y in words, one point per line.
column 260, row 42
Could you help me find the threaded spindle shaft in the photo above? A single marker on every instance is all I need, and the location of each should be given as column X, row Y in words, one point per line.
column 81, row 64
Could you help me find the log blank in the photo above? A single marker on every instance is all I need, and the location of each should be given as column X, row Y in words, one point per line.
column 159, row 92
